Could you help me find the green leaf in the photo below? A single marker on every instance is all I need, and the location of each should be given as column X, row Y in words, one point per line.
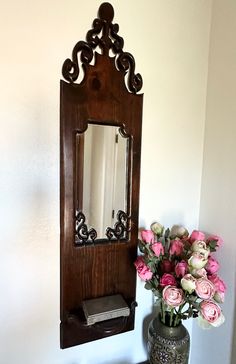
column 152, row 266
column 212, row 245
column 148, row 285
column 167, row 233
column 162, row 241
column 141, row 248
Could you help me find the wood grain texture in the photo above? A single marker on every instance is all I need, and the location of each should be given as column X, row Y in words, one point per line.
column 105, row 268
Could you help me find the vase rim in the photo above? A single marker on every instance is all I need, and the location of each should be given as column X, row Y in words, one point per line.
column 167, row 323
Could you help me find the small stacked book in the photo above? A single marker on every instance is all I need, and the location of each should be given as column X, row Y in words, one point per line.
column 105, row 308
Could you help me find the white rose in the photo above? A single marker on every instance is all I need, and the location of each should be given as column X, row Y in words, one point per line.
column 197, row 260
column 200, row 247
column 198, row 273
column 188, row 283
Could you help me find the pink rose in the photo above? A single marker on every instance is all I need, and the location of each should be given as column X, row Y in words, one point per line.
column 173, row 296
column 167, row 266
column 196, row 235
column 211, row 312
column 158, row 249
column 197, row 260
column 212, row 266
column 176, row 247
column 167, row 280
column 147, row 236
column 204, row 288
column 181, row 268
column 217, row 238
column 143, row 270
column 218, row 283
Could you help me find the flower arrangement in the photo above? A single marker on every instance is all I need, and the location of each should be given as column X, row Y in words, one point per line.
column 182, row 272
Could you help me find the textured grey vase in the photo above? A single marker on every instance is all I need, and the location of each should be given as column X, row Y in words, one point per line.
column 167, row 345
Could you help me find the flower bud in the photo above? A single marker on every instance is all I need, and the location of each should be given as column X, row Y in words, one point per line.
column 157, row 248
column 181, row 268
column 219, row 297
column 147, row 236
column 178, row 231
column 196, row 235
column 212, row 266
column 167, row 266
column 157, row 228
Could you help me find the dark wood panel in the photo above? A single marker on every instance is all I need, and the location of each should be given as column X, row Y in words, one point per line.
column 105, row 267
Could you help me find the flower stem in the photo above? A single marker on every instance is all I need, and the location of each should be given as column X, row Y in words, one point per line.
column 171, row 316
column 163, row 318
column 176, row 322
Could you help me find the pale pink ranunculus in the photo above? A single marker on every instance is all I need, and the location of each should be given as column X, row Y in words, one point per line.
column 212, row 266
column 217, row 238
column 211, row 312
column 198, row 273
column 188, row 283
column 173, row 296
column 181, row 268
column 176, row 247
column 200, row 247
column 197, row 260
column 157, row 248
column 143, row 270
column 147, row 236
column 196, row 235
column 218, row 283
column 167, row 280
column 204, row 288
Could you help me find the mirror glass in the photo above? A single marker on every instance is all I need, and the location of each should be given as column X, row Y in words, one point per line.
column 101, row 162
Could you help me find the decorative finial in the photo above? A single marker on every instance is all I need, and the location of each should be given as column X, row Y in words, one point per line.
column 106, row 12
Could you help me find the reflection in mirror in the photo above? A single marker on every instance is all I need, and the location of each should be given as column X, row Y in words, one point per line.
column 101, row 162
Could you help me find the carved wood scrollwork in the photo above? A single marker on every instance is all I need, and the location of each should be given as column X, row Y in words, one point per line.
column 107, row 40
column 82, row 233
column 121, row 227
column 86, row 236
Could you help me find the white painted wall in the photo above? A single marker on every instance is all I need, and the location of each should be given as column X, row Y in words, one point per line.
column 218, row 197
column 169, row 40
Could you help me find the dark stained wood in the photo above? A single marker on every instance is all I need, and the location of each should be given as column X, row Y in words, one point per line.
column 79, row 170
column 102, row 97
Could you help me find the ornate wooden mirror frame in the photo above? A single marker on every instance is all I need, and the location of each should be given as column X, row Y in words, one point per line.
column 107, row 95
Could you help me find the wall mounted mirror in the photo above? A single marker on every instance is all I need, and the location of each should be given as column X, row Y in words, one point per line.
column 101, row 178
column 100, row 151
